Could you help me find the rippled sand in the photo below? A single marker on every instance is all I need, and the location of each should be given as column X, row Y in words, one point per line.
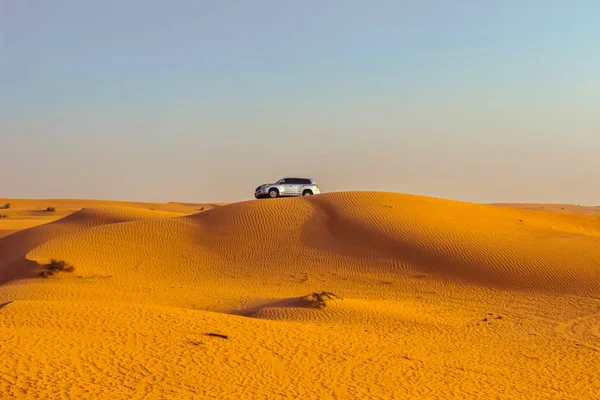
column 342, row 295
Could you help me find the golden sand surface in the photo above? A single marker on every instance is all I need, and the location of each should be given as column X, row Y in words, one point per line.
column 357, row 295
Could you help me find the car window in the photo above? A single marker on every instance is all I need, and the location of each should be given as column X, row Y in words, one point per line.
column 295, row 181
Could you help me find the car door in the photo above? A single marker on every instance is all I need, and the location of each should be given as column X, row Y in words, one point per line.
column 302, row 185
column 296, row 187
column 286, row 187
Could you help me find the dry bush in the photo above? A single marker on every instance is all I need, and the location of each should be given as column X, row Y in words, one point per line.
column 56, row 266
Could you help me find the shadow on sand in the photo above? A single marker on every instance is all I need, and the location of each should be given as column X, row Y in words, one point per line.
column 16, row 269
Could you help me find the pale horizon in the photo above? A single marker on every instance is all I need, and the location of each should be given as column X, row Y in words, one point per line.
column 201, row 102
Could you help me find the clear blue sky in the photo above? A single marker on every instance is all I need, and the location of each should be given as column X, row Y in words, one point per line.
column 203, row 100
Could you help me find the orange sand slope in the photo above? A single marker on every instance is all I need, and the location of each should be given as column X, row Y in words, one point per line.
column 24, row 213
column 342, row 295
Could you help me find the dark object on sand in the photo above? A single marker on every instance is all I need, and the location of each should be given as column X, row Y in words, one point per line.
column 217, row 335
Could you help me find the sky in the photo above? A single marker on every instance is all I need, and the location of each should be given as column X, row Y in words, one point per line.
column 202, row 101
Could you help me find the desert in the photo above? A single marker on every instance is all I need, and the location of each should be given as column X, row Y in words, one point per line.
column 344, row 199
column 341, row 295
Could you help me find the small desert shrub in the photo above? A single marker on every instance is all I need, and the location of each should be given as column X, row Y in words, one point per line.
column 61, row 265
column 50, row 209
column 7, row 206
column 56, row 266
column 3, row 216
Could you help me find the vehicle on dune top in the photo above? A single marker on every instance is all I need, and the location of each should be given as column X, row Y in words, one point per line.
column 287, row 187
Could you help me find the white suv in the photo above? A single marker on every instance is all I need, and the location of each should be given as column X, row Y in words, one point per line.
column 288, row 187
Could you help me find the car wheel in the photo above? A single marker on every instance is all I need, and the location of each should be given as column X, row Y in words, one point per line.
column 307, row 193
column 273, row 193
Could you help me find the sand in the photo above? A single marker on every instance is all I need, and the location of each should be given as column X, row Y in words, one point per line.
column 341, row 295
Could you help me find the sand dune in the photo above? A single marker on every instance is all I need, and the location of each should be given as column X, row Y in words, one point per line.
column 26, row 213
column 447, row 240
column 14, row 247
column 342, row 295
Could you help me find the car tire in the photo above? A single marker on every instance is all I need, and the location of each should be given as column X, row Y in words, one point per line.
column 273, row 193
column 307, row 193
